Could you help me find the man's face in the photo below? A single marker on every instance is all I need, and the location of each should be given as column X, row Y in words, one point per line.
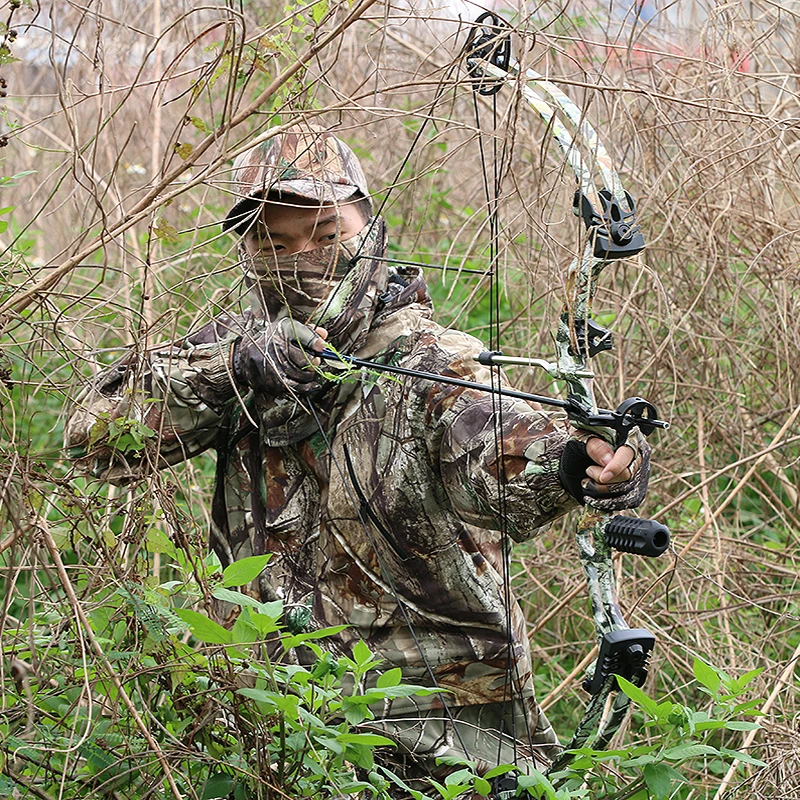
column 297, row 225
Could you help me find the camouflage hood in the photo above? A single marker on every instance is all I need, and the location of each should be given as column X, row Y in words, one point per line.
column 301, row 161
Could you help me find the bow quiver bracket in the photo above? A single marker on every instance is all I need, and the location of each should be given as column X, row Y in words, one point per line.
column 624, row 652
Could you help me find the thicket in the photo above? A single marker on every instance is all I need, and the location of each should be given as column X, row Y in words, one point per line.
column 119, row 122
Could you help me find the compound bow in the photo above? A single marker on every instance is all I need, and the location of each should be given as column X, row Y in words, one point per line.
column 611, row 233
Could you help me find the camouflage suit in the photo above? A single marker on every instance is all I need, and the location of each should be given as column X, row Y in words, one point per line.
column 380, row 499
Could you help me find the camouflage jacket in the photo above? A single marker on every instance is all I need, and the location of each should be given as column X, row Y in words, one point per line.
column 382, row 514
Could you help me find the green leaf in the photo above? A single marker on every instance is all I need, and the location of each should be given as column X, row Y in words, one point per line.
column 319, row 10
column 745, row 758
column 287, row 703
column 237, row 598
column 301, row 638
column 660, row 778
column 536, row 780
column 499, row 770
column 682, row 752
column 199, row 124
column 710, row 725
column 734, row 725
column 264, row 623
column 214, row 565
column 183, row 149
column 159, row 542
column 361, row 653
column 638, row 697
column 707, row 676
column 391, row 677
column 97, row 759
column 272, row 609
column 241, row 572
column 5, row 56
column 217, row 786
column 166, row 232
column 482, row 786
column 203, row 628
column 354, row 714
column 461, row 777
column 638, row 761
column 743, row 680
column 371, row 739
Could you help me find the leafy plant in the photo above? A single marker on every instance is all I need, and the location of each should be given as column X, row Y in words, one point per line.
column 235, row 722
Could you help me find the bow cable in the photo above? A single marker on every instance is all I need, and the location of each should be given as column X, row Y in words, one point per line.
column 492, row 196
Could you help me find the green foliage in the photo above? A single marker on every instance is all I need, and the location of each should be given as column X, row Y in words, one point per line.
column 235, row 722
column 124, row 434
column 683, row 739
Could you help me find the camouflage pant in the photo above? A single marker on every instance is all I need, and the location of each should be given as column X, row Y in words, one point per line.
column 489, row 734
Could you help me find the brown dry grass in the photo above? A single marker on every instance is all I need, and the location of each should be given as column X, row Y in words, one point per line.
column 699, row 108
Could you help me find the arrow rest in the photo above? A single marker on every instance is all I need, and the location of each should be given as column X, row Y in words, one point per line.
column 635, row 412
column 492, row 44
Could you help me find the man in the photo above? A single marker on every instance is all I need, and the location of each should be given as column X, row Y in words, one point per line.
column 379, row 498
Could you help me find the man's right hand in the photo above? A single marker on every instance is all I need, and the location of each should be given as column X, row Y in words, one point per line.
column 278, row 358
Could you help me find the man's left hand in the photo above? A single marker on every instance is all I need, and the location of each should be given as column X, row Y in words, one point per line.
column 610, row 480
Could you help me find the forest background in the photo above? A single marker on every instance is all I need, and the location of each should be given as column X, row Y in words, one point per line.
column 119, row 120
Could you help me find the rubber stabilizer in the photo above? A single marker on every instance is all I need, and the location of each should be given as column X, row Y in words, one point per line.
column 642, row 537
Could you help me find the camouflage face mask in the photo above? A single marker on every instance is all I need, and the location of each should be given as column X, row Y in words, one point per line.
column 335, row 286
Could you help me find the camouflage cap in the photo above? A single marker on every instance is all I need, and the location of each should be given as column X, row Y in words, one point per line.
column 305, row 161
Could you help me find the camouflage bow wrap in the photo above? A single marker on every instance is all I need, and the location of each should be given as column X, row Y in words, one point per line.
column 611, row 233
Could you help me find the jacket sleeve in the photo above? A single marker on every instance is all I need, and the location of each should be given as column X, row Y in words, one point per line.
column 498, row 457
column 155, row 408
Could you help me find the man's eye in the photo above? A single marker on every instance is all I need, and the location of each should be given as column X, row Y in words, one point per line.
column 328, row 237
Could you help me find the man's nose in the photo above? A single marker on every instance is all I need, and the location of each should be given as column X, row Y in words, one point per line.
column 310, row 244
